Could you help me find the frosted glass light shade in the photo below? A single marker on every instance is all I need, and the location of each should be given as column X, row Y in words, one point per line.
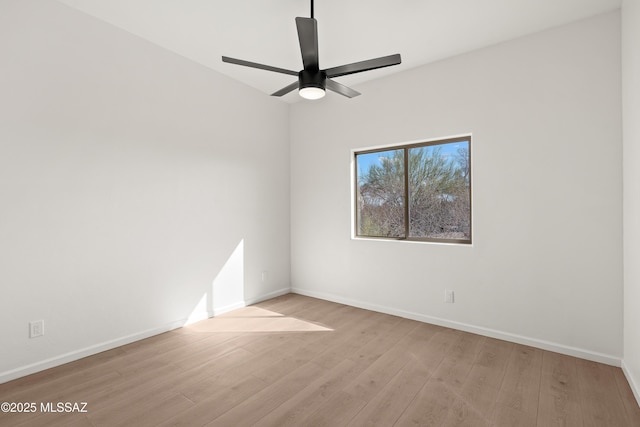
column 311, row 92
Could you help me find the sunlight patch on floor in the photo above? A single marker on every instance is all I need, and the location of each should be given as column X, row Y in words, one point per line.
column 251, row 311
column 256, row 319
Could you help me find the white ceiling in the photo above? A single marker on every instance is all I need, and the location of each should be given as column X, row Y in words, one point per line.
column 264, row 31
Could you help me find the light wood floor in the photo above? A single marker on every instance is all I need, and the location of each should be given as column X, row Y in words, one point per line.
column 300, row 361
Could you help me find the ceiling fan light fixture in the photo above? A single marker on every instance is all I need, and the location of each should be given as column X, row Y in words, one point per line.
column 311, row 92
column 311, row 84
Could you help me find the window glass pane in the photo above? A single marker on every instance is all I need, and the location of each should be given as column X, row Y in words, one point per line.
column 440, row 191
column 380, row 196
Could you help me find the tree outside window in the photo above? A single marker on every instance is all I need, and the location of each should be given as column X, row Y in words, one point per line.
column 415, row 192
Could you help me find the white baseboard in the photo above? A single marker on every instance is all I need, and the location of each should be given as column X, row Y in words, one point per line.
column 506, row 336
column 545, row 345
column 118, row 342
column 84, row 352
column 270, row 295
column 633, row 383
column 221, row 310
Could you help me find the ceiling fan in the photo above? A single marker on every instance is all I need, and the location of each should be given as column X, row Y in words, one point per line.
column 312, row 81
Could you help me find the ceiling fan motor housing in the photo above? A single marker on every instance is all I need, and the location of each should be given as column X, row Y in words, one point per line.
column 307, row 78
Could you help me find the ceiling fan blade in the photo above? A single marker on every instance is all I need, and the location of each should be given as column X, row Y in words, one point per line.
column 285, row 90
column 358, row 67
column 308, row 37
column 340, row 88
column 256, row 65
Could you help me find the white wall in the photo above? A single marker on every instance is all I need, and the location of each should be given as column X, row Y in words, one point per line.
column 131, row 181
column 631, row 168
column 138, row 189
column 546, row 264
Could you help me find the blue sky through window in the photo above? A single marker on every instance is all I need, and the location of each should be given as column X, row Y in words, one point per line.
column 365, row 161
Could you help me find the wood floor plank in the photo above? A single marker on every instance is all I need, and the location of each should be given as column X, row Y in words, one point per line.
column 151, row 409
column 146, row 383
column 431, row 350
column 373, row 379
column 261, row 343
column 287, row 304
column 266, row 400
column 424, row 331
column 387, row 406
column 424, row 348
column 235, row 366
column 63, row 372
column 599, row 396
column 559, row 404
column 482, row 384
column 50, row 389
column 386, row 339
column 430, row 407
column 54, row 420
column 295, row 357
column 301, row 361
column 332, row 314
column 628, row 399
column 463, row 414
column 73, row 392
column 517, row 401
column 307, row 401
column 335, row 412
column 460, row 358
column 349, row 340
column 222, row 395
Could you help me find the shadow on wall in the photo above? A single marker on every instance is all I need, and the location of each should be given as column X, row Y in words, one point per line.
column 226, row 292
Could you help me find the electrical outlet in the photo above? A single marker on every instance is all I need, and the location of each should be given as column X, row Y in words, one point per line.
column 36, row 328
column 448, row 296
column 264, row 276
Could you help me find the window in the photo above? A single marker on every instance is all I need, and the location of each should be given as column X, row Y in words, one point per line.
column 415, row 192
